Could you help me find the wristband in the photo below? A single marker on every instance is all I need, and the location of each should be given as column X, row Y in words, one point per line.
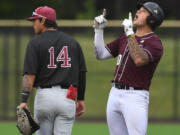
column 25, row 96
column 131, row 36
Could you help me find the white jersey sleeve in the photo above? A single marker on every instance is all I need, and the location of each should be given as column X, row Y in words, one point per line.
column 100, row 50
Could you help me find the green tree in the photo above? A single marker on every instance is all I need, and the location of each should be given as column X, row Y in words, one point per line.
column 89, row 10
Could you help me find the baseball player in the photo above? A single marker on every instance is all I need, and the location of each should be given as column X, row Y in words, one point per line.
column 138, row 56
column 55, row 65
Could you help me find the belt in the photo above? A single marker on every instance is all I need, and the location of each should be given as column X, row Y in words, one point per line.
column 126, row 87
column 63, row 86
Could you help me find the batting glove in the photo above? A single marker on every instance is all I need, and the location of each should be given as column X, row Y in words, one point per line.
column 100, row 22
column 128, row 25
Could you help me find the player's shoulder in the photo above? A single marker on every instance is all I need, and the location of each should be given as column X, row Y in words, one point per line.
column 36, row 39
column 151, row 37
column 122, row 37
column 153, row 40
column 66, row 36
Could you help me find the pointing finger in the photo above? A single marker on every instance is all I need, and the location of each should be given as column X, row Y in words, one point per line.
column 104, row 12
column 130, row 16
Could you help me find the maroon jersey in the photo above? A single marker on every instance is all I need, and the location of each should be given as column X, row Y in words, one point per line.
column 126, row 71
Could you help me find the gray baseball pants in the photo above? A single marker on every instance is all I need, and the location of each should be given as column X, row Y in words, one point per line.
column 54, row 111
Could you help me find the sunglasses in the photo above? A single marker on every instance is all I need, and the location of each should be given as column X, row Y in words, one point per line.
column 35, row 14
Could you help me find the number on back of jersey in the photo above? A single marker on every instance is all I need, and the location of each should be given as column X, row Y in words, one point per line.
column 62, row 56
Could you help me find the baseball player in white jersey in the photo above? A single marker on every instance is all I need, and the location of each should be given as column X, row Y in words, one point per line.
column 138, row 56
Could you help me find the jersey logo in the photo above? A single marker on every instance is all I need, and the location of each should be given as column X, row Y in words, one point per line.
column 155, row 11
column 142, row 41
column 62, row 56
column 119, row 59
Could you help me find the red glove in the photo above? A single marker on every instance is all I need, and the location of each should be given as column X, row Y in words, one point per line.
column 72, row 92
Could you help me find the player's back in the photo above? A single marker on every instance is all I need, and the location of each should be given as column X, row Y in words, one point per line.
column 58, row 60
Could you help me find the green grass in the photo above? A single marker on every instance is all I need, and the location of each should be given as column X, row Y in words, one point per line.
column 9, row 128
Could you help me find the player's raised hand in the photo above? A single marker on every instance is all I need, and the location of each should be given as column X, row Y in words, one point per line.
column 130, row 17
column 104, row 13
column 100, row 22
column 128, row 25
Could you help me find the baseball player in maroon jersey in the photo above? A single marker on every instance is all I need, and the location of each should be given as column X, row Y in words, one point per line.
column 55, row 65
column 138, row 56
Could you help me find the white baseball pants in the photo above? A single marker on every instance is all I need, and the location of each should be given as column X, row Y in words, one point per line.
column 54, row 111
column 127, row 112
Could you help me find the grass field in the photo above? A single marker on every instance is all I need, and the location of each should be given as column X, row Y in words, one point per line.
column 9, row 128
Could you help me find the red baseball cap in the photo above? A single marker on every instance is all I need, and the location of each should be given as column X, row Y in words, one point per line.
column 43, row 12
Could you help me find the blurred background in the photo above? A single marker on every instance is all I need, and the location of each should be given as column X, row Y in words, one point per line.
column 75, row 17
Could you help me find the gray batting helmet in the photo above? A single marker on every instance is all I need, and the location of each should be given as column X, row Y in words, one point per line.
column 157, row 14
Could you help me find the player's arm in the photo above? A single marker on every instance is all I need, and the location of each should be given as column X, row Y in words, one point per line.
column 139, row 56
column 80, row 105
column 100, row 50
column 28, row 81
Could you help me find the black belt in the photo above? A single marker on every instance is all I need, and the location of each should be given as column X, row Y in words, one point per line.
column 126, row 87
column 63, row 86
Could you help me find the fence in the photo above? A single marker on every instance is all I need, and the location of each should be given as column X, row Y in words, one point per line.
column 14, row 36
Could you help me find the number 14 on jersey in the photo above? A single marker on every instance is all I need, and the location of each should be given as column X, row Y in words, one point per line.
column 62, row 56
